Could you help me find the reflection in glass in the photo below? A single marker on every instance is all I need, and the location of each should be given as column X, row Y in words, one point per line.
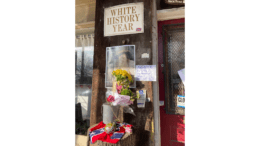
column 120, row 57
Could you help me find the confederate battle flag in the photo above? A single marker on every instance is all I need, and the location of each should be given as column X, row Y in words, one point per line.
column 98, row 133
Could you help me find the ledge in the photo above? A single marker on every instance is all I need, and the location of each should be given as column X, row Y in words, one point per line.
column 169, row 14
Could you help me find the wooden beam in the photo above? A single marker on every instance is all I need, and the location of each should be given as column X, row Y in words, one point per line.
column 167, row 14
column 85, row 25
column 84, row 31
column 143, row 44
column 156, row 105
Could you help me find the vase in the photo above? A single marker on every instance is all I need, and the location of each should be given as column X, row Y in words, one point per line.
column 109, row 113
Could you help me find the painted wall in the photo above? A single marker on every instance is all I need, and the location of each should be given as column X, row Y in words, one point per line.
column 85, row 14
column 85, row 11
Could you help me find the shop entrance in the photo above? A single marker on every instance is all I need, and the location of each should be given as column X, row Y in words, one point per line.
column 171, row 53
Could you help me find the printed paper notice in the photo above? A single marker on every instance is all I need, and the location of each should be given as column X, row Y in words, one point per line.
column 145, row 72
column 181, row 101
column 182, row 75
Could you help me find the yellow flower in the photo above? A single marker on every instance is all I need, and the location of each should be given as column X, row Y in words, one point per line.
column 123, row 73
column 130, row 78
column 117, row 72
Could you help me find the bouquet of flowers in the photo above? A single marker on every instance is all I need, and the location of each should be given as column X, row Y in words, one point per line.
column 122, row 96
column 124, row 79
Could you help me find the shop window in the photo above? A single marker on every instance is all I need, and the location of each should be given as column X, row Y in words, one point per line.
column 84, row 53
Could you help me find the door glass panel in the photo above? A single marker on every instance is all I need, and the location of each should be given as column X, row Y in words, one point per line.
column 174, row 59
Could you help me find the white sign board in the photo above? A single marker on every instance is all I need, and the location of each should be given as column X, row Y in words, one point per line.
column 124, row 19
column 145, row 73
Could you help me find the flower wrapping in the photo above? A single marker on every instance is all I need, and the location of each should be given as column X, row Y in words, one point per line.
column 111, row 98
column 128, row 129
column 118, row 88
column 123, row 100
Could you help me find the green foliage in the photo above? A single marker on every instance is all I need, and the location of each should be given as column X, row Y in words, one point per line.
column 127, row 92
column 133, row 98
column 119, row 77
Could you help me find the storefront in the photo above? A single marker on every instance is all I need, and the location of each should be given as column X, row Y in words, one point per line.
column 150, row 36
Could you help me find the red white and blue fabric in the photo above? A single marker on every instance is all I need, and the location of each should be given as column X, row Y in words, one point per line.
column 98, row 133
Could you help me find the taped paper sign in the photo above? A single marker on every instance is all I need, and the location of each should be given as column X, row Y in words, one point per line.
column 145, row 72
column 142, row 98
column 182, row 75
column 181, row 101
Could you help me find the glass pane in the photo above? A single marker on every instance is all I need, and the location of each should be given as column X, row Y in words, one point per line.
column 88, row 64
column 79, row 60
column 83, row 96
column 84, row 52
column 174, row 37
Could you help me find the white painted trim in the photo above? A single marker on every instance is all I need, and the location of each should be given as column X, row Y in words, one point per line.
column 87, row 28
column 169, row 14
column 90, row 22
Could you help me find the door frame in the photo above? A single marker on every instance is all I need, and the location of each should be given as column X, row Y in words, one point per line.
column 168, row 15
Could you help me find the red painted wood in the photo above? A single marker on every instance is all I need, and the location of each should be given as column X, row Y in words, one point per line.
column 172, row 126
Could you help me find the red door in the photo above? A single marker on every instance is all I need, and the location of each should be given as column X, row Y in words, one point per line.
column 171, row 58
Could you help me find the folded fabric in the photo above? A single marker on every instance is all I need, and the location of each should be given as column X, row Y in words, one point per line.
column 98, row 133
